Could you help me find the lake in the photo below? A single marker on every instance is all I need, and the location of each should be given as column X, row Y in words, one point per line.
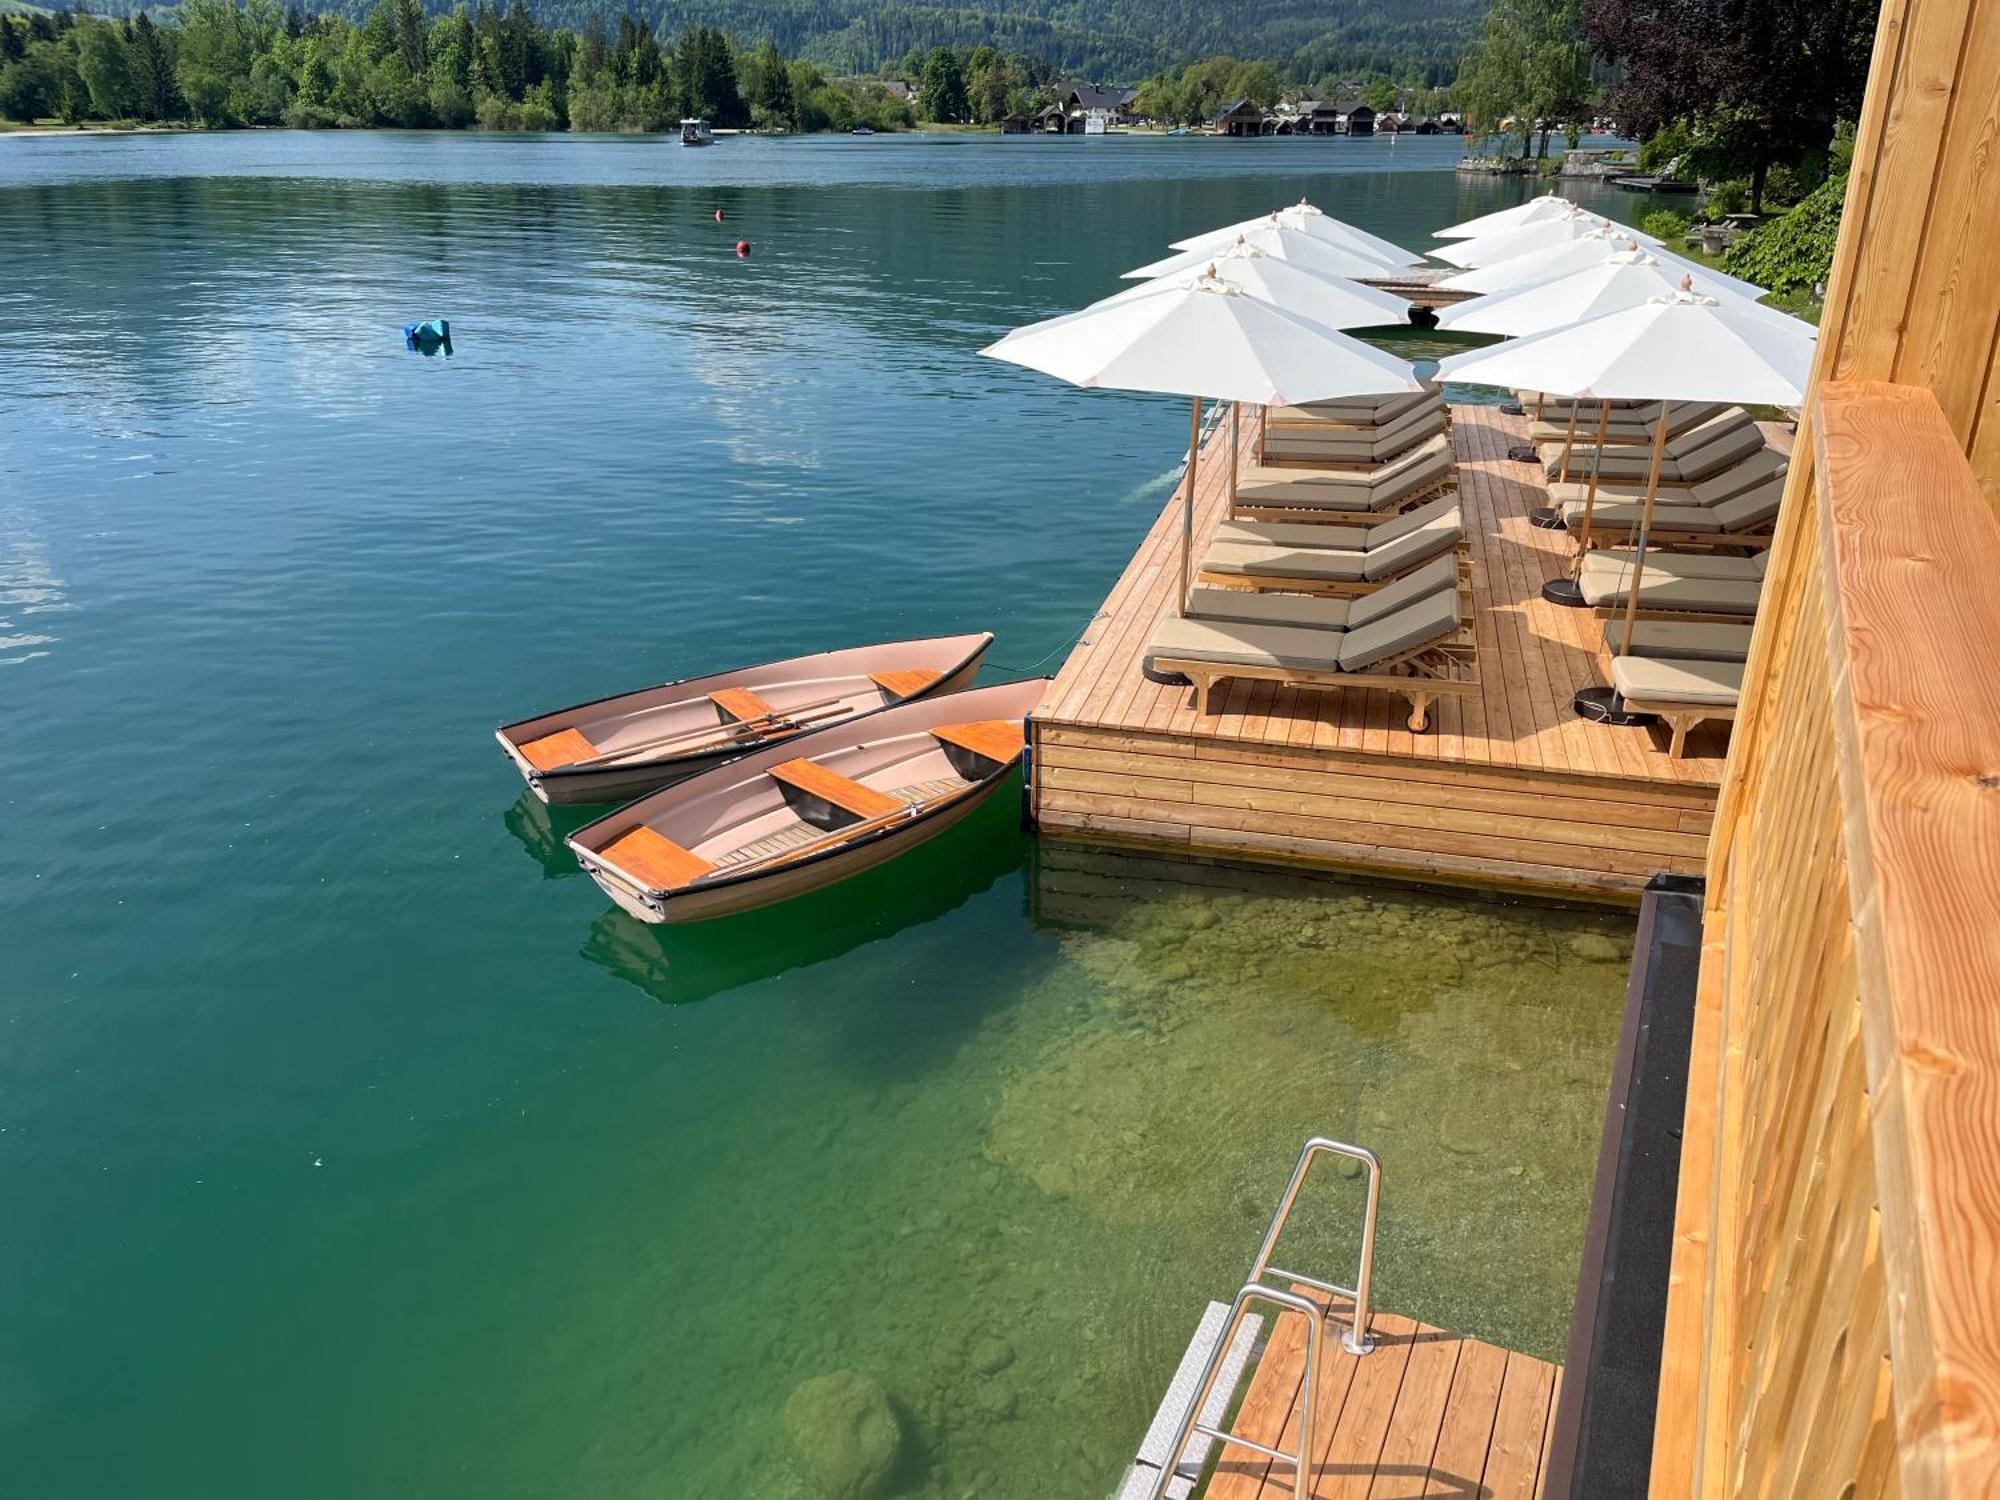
column 349, row 1142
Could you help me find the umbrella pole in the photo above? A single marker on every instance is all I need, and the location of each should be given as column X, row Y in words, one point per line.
column 1568, row 591
column 1235, row 428
column 1187, row 507
column 1541, row 400
column 1645, row 526
column 1569, row 443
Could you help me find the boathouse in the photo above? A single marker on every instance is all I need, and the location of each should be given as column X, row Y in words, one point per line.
column 1240, row 118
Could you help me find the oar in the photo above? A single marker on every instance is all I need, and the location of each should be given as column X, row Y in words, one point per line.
column 730, row 733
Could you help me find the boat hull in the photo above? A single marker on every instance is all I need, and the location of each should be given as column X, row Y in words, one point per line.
column 581, row 787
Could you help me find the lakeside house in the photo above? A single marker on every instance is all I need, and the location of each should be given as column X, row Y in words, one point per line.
column 1239, row 118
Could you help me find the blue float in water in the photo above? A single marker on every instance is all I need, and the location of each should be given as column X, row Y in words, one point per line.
column 429, row 336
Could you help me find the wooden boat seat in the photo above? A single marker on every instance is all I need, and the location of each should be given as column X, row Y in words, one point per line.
column 656, row 859
column 997, row 740
column 816, row 780
column 563, row 748
column 904, row 684
column 742, row 704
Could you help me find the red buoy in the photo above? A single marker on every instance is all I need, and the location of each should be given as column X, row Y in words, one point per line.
column 743, row 248
column 718, row 216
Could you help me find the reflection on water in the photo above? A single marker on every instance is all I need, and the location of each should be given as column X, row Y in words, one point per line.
column 541, row 830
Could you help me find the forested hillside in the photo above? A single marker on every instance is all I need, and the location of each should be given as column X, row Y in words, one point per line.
column 1121, row 41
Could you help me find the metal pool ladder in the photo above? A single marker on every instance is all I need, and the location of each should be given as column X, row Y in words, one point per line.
column 1355, row 1340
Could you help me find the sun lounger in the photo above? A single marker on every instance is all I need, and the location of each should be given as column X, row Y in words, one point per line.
column 1356, row 412
column 1765, row 463
column 1269, row 492
column 1683, row 691
column 1746, row 520
column 1688, row 640
column 1420, row 649
column 1372, row 558
column 1559, row 406
column 1672, row 593
column 1324, row 445
column 1685, row 459
column 1635, row 426
column 1613, row 561
column 1320, row 611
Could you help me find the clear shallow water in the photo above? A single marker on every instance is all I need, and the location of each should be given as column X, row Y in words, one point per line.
column 348, row 1143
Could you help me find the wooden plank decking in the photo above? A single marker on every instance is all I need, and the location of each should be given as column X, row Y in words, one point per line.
column 1428, row 1413
column 1509, row 788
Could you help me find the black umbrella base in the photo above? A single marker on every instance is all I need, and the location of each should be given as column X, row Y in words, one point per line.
column 1523, row 453
column 1164, row 679
column 1602, row 705
column 1546, row 518
column 1513, row 409
column 1564, row 591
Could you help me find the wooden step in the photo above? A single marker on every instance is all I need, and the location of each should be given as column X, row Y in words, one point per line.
column 830, row 786
column 904, row 684
column 741, row 704
column 997, row 740
column 563, row 748
column 655, row 859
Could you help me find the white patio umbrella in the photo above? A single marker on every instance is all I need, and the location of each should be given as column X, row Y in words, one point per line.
column 1543, row 235
column 1622, row 279
column 1548, row 206
column 1679, row 347
column 1276, row 240
column 1587, row 250
column 1204, row 338
column 1317, row 223
column 1335, row 301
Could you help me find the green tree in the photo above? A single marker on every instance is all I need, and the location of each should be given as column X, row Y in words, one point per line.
column 106, row 71
column 942, row 96
column 771, row 90
column 155, row 96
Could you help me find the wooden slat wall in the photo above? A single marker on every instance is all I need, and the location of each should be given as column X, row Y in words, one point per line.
column 1833, row 1324
column 1834, row 1319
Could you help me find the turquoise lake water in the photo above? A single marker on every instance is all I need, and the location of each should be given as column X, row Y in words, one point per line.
column 349, row 1143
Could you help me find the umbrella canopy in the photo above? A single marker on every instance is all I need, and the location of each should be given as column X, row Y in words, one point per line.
column 1548, row 206
column 1678, row 347
column 1544, row 265
column 1544, row 234
column 1332, row 300
column 1311, row 220
column 1283, row 243
column 1622, row 279
column 1204, row 337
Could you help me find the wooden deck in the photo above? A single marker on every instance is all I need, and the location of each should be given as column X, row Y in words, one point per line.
column 1509, row 788
column 1428, row 1413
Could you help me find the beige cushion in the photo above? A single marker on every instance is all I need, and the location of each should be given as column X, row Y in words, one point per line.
column 1359, row 491
column 1654, row 679
column 1637, row 426
column 1272, row 609
column 1354, row 445
column 1764, row 464
column 1437, row 536
column 1294, row 534
column 1429, row 620
column 1681, row 452
column 1691, row 640
column 1360, row 411
column 1239, row 644
column 1434, row 576
column 1383, row 532
column 1308, row 564
column 1713, row 596
column 1615, row 563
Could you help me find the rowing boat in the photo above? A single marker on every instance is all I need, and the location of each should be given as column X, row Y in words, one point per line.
column 793, row 818
column 616, row 748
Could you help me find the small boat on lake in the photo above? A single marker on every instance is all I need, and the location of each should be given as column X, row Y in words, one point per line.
column 695, row 132
column 614, row 748
column 793, row 818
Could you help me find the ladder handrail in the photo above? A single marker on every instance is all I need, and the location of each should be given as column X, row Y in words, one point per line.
column 1356, row 1339
column 1191, row 1423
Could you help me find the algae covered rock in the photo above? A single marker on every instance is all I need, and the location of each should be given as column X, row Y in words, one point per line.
column 844, row 1433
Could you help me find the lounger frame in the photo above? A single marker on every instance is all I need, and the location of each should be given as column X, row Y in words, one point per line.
column 1679, row 717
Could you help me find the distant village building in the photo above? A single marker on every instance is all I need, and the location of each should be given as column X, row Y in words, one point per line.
column 1018, row 125
column 1090, row 109
column 1240, row 117
column 1053, row 119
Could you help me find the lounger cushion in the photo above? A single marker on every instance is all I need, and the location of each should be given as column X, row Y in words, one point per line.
column 1766, row 463
column 1697, row 449
column 1399, row 554
column 1653, row 679
column 1353, row 444
column 1272, row 609
column 1689, row 640
column 1429, row 620
column 1265, row 486
column 1293, row 534
column 1624, row 428
column 1711, row 596
column 1384, row 532
column 1239, row 644
column 1433, row 577
column 1359, row 411
column 1616, row 562
column 1308, row 564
